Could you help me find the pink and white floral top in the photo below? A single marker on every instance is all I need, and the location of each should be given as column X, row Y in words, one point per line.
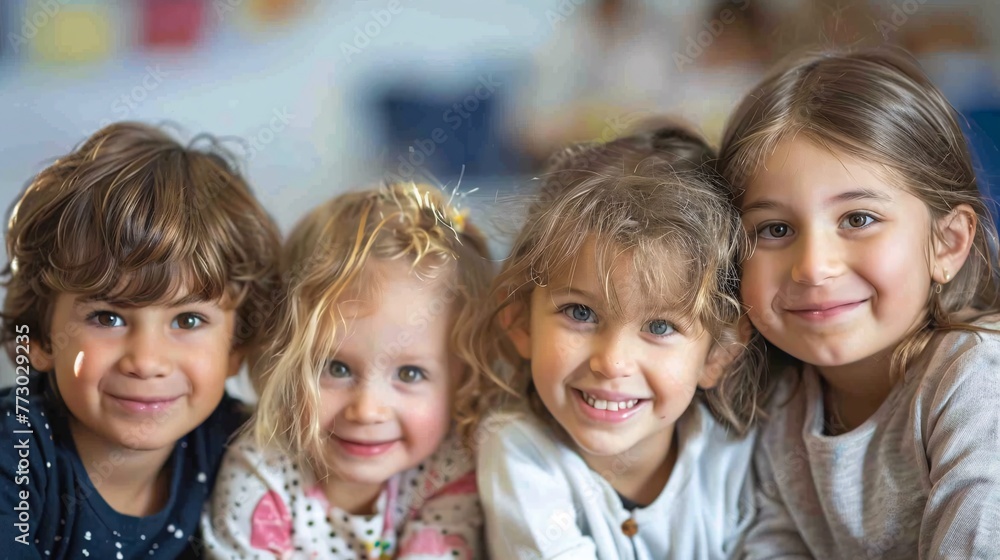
column 266, row 506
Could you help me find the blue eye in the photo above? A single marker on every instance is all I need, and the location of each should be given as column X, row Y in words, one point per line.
column 858, row 220
column 337, row 370
column 580, row 313
column 659, row 327
column 106, row 318
column 774, row 230
column 411, row 374
column 187, row 321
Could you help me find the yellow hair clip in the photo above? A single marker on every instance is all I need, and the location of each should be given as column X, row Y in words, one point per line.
column 458, row 220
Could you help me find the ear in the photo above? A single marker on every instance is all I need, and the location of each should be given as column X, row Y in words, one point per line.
column 40, row 359
column 515, row 320
column 726, row 350
column 956, row 232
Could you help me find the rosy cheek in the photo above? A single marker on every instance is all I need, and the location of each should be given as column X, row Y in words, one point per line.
column 429, row 424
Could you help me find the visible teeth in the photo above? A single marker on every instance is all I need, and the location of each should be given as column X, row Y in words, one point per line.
column 601, row 404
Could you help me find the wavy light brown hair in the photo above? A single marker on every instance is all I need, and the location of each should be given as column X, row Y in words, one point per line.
column 875, row 105
column 128, row 216
column 655, row 197
column 328, row 258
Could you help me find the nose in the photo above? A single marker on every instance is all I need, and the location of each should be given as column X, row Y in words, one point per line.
column 817, row 259
column 369, row 404
column 612, row 356
column 147, row 354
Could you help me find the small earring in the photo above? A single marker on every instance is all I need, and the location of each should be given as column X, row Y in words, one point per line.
column 947, row 275
column 937, row 288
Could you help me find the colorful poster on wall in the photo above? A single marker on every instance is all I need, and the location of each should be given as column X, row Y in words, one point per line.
column 172, row 24
column 68, row 31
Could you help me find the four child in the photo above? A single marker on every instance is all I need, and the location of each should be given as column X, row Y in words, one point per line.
column 788, row 349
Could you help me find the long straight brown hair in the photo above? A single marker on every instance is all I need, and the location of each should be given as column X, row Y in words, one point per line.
column 876, row 105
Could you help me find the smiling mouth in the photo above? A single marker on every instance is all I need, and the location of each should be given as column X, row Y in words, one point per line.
column 364, row 449
column 601, row 404
column 145, row 405
column 826, row 311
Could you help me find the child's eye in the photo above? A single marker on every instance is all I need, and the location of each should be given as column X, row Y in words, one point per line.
column 858, row 220
column 580, row 313
column 659, row 327
column 106, row 319
column 774, row 230
column 337, row 370
column 187, row 321
column 411, row 374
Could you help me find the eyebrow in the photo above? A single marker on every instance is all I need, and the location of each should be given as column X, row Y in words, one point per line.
column 571, row 291
column 856, row 194
column 82, row 302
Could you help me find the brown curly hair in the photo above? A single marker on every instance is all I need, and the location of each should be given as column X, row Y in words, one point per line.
column 125, row 217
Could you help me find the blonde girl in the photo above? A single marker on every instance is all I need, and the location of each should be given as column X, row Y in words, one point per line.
column 616, row 318
column 355, row 450
column 875, row 269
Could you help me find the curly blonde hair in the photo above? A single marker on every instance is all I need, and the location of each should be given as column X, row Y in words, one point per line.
column 325, row 261
column 654, row 196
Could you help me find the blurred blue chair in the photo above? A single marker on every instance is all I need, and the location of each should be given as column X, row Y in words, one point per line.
column 431, row 136
column 983, row 133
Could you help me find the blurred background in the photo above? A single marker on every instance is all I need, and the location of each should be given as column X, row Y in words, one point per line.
column 320, row 96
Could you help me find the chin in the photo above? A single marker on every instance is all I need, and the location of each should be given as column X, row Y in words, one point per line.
column 600, row 447
column 832, row 358
column 370, row 477
column 147, row 444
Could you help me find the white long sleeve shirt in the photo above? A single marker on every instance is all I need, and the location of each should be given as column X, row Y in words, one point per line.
column 542, row 501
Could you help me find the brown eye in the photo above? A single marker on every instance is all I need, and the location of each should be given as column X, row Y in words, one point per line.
column 410, row 374
column 108, row 319
column 188, row 321
column 858, row 221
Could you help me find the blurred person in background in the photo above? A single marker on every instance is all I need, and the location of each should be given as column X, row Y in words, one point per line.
column 725, row 53
column 607, row 66
column 950, row 45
